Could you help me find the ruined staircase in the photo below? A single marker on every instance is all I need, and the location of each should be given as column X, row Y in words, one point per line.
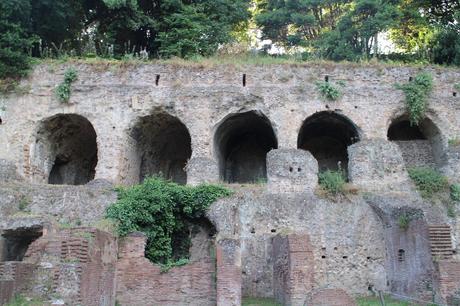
column 440, row 241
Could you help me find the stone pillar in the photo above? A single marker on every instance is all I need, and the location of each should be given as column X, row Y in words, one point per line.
column 291, row 170
column 293, row 268
column 228, row 255
column 376, row 165
column 202, row 170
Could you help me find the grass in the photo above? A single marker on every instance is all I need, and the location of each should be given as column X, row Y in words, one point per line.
column 252, row 301
column 20, row 300
column 428, row 181
column 332, row 182
column 375, row 301
column 231, row 59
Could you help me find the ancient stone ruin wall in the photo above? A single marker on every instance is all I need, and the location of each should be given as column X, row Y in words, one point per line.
column 268, row 138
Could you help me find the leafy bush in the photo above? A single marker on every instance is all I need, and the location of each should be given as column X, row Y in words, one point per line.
column 332, row 182
column 428, row 181
column 63, row 90
column 417, row 92
column 455, row 192
column 163, row 211
column 328, row 91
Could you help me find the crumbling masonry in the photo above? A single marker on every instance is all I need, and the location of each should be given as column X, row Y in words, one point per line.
column 267, row 137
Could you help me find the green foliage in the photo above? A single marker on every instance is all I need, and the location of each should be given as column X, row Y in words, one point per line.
column 403, row 221
column 455, row 192
column 333, row 182
column 23, row 203
column 428, row 181
column 417, row 92
column 163, row 211
column 329, row 91
column 169, row 265
column 63, row 90
column 14, row 40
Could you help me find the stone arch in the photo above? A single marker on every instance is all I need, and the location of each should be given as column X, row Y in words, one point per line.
column 66, row 150
column 241, row 144
column 163, row 147
column 327, row 136
column 420, row 145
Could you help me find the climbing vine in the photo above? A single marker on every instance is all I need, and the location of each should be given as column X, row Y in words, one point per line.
column 163, row 211
column 63, row 90
column 417, row 92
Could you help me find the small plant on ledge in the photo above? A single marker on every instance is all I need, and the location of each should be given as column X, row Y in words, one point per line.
column 428, row 181
column 333, row 182
column 329, row 91
column 63, row 90
column 417, row 92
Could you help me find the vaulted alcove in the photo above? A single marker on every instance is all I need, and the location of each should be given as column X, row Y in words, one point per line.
column 66, row 146
column 163, row 147
column 241, row 144
column 327, row 136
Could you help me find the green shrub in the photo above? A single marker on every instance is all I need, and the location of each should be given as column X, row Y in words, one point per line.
column 163, row 211
column 455, row 192
column 332, row 182
column 417, row 92
column 63, row 90
column 329, row 91
column 428, row 181
column 403, row 221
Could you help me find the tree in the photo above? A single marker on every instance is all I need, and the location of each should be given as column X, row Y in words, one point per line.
column 356, row 34
column 298, row 22
column 14, row 40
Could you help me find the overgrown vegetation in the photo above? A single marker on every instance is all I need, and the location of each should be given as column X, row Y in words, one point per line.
column 455, row 192
column 417, row 92
column 403, row 221
column 64, row 89
column 329, row 91
column 163, row 211
column 428, row 181
column 333, row 182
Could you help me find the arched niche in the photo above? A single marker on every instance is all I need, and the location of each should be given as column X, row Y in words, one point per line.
column 421, row 145
column 163, row 147
column 66, row 148
column 241, row 144
column 327, row 135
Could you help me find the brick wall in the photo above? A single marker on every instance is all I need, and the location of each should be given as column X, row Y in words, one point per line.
column 293, row 272
column 139, row 282
column 229, row 281
column 13, row 278
column 448, row 280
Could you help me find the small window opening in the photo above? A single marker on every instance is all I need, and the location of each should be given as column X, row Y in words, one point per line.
column 368, row 258
column 453, row 94
column 326, row 78
column 344, row 257
column 244, row 79
column 299, row 169
column 291, row 169
column 410, row 79
column 157, row 79
column 273, row 230
column 1, row 120
column 401, row 255
column 253, row 230
column 16, row 242
column 324, row 256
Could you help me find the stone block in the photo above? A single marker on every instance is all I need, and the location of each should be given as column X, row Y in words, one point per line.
column 291, row 170
column 377, row 165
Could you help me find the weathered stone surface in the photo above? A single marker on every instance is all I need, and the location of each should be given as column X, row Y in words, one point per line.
column 202, row 170
column 8, row 171
column 291, row 170
column 377, row 165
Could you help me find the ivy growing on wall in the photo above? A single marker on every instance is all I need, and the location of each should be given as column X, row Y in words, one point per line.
column 63, row 90
column 163, row 211
column 417, row 92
